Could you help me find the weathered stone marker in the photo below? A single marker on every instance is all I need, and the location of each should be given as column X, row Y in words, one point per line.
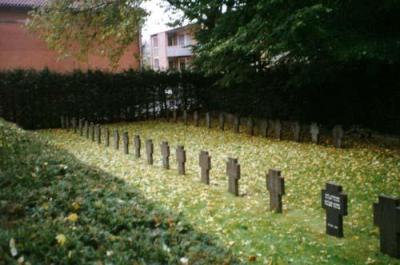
column 264, row 128
column 149, row 151
column 87, row 129
column 205, row 166
column 165, row 153
column 74, row 125
column 62, row 122
column 296, row 129
column 337, row 134
column 208, row 120
column 98, row 133
column 181, row 159
column 276, row 188
column 233, row 172
column 334, row 201
column 116, row 139
column 80, row 126
column 221, row 119
column 387, row 218
column 196, row 118
column 137, row 145
column 278, row 129
column 107, row 137
column 185, row 117
column 125, row 141
column 314, row 131
column 236, row 124
column 92, row 131
column 250, row 125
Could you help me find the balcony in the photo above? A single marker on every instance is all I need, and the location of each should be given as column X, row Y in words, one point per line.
column 177, row 51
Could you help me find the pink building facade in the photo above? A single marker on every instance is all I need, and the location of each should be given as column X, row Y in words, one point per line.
column 172, row 49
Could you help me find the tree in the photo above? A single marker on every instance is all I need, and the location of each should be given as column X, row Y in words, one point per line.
column 78, row 28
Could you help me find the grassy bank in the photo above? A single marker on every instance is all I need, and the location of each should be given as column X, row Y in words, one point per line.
column 57, row 210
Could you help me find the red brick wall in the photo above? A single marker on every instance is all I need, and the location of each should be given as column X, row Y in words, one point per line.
column 21, row 49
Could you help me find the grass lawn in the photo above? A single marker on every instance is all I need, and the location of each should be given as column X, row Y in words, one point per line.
column 57, row 210
column 244, row 223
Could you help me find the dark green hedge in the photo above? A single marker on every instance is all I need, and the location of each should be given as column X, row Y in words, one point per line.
column 361, row 93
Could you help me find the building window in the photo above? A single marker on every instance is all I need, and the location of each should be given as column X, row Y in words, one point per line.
column 156, row 64
column 182, row 65
column 155, row 41
column 181, row 40
column 171, row 39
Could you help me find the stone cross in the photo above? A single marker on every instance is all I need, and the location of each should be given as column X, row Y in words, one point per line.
column 208, row 120
column 296, row 128
column 250, row 125
column 233, row 173
column 74, row 124
column 196, row 118
column 278, row 129
column 98, row 133
column 181, row 159
column 137, row 145
column 116, row 139
column 387, row 218
column 314, row 131
column 185, row 117
column 236, row 124
column 276, row 188
column 165, row 153
column 222, row 121
column 149, row 151
column 62, row 121
column 337, row 134
column 174, row 115
column 125, row 141
column 107, row 137
column 264, row 128
column 334, row 201
column 80, row 126
column 92, row 131
column 87, row 129
column 205, row 166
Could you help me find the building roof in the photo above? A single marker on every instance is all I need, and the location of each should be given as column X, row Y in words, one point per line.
column 23, row 4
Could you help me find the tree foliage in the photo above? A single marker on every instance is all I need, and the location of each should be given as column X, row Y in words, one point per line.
column 80, row 28
column 241, row 37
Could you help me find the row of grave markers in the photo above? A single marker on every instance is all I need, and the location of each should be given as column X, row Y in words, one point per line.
column 386, row 212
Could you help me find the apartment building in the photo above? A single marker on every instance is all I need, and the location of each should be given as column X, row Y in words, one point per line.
column 172, row 49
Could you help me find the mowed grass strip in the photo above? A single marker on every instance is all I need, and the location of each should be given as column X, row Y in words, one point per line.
column 244, row 223
column 54, row 209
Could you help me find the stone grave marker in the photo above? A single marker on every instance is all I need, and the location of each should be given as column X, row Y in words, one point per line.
column 125, row 141
column 296, row 129
column 278, row 129
column 208, row 120
column 149, row 151
column 264, row 128
column 181, row 159
column 92, row 131
column 67, row 124
column 233, row 172
column 314, row 131
column 107, row 137
column 165, row 153
column 387, row 218
column 337, row 135
column 276, row 188
column 250, row 125
column 205, row 166
column 98, row 133
column 185, row 117
column 74, row 125
column 87, row 129
column 334, row 201
column 236, row 124
column 137, row 145
column 62, row 121
column 80, row 126
column 196, row 118
column 116, row 139
column 221, row 119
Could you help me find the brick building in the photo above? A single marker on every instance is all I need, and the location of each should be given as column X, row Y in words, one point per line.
column 21, row 49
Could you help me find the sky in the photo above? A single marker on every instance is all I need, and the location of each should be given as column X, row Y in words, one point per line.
column 157, row 19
